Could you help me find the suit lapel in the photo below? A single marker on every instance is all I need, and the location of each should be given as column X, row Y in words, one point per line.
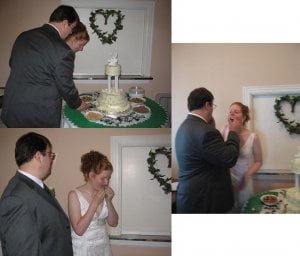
column 41, row 192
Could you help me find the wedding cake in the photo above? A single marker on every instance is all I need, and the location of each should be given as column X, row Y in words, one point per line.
column 293, row 200
column 296, row 162
column 113, row 101
column 112, row 69
column 293, row 194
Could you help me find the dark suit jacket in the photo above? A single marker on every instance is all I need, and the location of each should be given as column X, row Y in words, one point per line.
column 40, row 77
column 204, row 160
column 32, row 222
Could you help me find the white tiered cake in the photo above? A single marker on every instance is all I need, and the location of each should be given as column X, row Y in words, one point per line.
column 113, row 70
column 293, row 194
column 113, row 101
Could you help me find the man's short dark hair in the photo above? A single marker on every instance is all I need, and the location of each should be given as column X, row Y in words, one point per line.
column 28, row 144
column 198, row 97
column 64, row 12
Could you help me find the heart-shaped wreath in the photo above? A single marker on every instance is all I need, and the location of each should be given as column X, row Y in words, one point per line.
column 291, row 126
column 163, row 182
column 105, row 37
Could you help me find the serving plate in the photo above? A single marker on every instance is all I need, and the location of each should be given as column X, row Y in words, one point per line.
column 93, row 116
column 89, row 99
column 138, row 100
column 269, row 200
column 142, row 109
column 86, row 98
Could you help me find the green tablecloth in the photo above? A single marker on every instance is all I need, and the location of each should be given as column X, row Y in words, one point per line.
column 157, row 119
column 254, row 204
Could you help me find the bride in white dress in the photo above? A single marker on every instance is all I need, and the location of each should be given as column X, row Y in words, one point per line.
column 90, row 207
column 250, row 157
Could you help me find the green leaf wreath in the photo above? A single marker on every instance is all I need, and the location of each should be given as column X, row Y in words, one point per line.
column 104, row 36
column 291, row 126
column 163, row 182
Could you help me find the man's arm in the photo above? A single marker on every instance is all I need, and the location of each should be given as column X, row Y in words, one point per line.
column 218, row 152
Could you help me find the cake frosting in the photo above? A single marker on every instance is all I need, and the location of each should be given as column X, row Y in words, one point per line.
column 112, row 69
column 293, row 194
column 296, row 162
column 293, row 200
column 113, row 101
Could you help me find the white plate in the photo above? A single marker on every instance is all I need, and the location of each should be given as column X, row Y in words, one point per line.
column 136, row 101
column 142, row 110
column 93, row 116
column 136, row 95
column 86, row 97
column 269, row 199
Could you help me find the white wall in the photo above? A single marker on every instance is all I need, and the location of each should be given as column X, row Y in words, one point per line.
column 70, row 144
column 225, row 69
column 160, row 68
column 134, row 185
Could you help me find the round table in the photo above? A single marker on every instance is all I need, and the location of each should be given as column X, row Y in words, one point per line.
column 255, row 205
column 74, row 119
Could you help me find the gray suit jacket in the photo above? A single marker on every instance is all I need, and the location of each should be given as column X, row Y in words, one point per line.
column 204, row 160
column 32, row 221
column 40, row 77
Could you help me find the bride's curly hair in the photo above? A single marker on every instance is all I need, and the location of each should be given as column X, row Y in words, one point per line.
column 96, row 162
column 245, row 110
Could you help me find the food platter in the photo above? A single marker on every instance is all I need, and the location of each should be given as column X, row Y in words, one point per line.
column 269, row 199
column 86, row 98
column 89, row 99
column 155, row 116
column 136, row 101
column 138, row 112
column 93, row 116
column 142, row 109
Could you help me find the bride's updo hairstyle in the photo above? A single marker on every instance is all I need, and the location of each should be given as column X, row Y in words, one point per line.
column 94, row 161
column 245, row 111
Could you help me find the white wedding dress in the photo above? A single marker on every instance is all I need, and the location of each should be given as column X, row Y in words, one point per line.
column 95, row 240
column 244, row 162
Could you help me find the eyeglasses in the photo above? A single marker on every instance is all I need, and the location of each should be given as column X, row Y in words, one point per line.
column 52, row 155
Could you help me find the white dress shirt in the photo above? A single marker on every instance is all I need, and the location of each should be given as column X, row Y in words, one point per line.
column 33, row 178
column 193, row 114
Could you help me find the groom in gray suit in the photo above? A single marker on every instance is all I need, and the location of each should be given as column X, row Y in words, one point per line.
column 31, row 220
column 204, row 158
column 41, row 74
